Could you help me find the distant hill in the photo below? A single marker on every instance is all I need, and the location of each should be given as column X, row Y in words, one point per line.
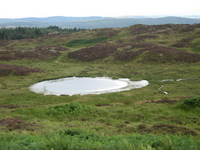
column 55, row 19
column 94, row 21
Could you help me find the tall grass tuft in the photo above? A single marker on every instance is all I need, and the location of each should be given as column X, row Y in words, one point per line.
column 71, row 108
column 74, row 139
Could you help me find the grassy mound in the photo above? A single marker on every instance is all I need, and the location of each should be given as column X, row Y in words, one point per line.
column 44, row 52
column 93, row 53
column 155, row 53
column 142, row 52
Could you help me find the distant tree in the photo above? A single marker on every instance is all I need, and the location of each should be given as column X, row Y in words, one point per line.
column 53, row 27
column 31, row 32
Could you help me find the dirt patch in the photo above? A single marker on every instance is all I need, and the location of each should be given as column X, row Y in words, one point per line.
column 165, row 100
column 6, row 69
column 10, row 106
column 173, row 129
column 103, row 105
column 171, row 119
column 17, row 124
column 166, row 129
column 108, row 105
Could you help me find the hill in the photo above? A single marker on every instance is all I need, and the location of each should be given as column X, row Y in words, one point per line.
column 93, row 22
column 141, row 43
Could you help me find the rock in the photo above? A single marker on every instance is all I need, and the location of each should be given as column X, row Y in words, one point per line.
column 127, row 47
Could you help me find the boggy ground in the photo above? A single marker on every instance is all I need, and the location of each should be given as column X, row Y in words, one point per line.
column 147, row 115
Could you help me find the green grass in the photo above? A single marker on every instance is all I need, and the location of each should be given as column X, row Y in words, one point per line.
column 88, row 42
column 77, row 139
column 196, row 46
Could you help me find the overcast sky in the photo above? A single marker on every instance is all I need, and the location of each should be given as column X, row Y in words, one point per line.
column 106, row 8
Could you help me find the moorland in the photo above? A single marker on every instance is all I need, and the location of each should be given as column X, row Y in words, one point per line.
column 164, row 115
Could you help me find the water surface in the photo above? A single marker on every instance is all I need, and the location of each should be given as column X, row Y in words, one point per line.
column 85, row 85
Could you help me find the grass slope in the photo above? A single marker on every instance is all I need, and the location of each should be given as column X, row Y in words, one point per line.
column 147, row 118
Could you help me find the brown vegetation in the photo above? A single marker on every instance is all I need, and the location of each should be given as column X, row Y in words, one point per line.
column 186, row 28
column 155, row 53
column 165, row 28
column 140, row 28
column 15, row 124
column 51, row 47
column 159, row 128
column 173, row 129
column 10, row 106
column 45, row 52
column 5, row 42
column 7, row 57
column 93, row 53
column 149, row 52
column 143, row 37
column 166, row 129
column 185, row 42
column 37, row 55
column 6, row 69
column 165, row 100
column 106, row 32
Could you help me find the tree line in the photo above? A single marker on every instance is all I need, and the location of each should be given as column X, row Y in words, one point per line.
column 32, row 32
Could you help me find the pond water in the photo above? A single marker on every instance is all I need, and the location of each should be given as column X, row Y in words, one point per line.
column 85, row 85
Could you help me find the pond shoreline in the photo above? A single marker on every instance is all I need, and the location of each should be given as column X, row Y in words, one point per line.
column 86, row 85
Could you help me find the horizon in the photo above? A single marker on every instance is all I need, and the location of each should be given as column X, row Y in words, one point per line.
column 152, row 16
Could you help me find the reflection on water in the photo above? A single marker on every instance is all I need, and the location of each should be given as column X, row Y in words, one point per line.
column 85, row 85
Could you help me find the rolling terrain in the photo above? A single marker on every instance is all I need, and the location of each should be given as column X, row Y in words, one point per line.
column 95, row 21
column 163, row 115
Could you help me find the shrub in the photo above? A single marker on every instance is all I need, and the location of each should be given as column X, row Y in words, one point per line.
column 71, row 108
column 193, row 102
column 79, row 42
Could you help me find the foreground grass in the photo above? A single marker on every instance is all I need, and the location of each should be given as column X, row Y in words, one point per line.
column 143, row 118
column 75, row 139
